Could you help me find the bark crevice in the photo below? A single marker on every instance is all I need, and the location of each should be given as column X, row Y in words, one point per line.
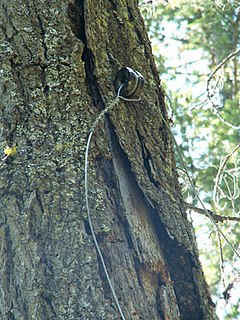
column 147, row 161
column 76, row 14
column 44, row 46
column 178, row 259
column 180, row 264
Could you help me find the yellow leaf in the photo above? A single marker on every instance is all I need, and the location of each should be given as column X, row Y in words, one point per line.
column 10, row 151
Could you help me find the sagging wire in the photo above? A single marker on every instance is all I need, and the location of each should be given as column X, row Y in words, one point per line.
column 97, row 120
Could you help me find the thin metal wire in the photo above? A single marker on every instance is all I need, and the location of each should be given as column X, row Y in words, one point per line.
column 126, row 99
column 92, row 229
column 99, row 117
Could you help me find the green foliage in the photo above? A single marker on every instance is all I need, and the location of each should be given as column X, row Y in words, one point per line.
column 189, row 41
column 234, row 313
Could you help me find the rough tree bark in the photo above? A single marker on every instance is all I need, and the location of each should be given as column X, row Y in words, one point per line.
column 58, row 63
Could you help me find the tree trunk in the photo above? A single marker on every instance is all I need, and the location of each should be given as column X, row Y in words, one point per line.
column 58, row 64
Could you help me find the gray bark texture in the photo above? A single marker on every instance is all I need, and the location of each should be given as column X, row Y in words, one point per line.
column 58, row 63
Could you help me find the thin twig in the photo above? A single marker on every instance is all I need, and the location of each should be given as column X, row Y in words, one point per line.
column 220, row 173
column 216, row 217
column 219, row 66
column 196, row 194
column 221, row 260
